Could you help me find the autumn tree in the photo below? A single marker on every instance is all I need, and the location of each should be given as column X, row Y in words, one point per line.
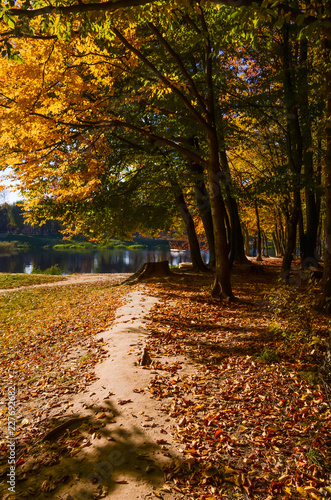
column 106, row 116
column 198, row 102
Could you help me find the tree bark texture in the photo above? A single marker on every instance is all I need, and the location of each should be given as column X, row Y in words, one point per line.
column 222, row 284
column 259, row 241
column 245, row 234
column 150, row 270
column 326, row 297
column 294, row 152
column 309, row 239
column 265, row 244
column 203, row 204
column 236, row 240
column 198, row 264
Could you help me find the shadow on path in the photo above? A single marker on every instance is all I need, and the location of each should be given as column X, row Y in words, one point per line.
column 92, row 457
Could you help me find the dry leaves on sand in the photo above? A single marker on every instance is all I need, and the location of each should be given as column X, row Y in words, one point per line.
column 48, row 350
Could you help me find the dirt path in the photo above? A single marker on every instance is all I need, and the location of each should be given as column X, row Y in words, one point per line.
column 127, row 436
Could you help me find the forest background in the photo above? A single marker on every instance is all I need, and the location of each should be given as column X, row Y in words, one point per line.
column 116, row 117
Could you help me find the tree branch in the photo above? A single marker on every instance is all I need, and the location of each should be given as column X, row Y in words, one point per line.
column 77, row 8
column 180, row 65
column 115, row 122
column 111, row 6
column 162, row 78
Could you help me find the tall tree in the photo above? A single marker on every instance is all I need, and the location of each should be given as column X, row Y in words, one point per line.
column 192, row 91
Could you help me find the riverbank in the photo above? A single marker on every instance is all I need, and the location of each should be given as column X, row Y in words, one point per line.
column 10, row 242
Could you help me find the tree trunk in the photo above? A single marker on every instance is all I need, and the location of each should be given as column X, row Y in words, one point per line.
column 259, row 256
column 198, row 264
column 282, row 236
column 302, row 239
column 246, row 238
column 294, row 150
column 227, row 230
column 291, row 238
column 237, row 248
column 276, row 243
column 222, row 283
column 326, row 296
column 265, row 239
column 203, row 204
column 309, row 240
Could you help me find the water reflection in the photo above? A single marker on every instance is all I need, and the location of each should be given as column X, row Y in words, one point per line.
column 99, row 261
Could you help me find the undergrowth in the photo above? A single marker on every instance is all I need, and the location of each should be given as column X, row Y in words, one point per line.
column 53, row 270
column 294, row 317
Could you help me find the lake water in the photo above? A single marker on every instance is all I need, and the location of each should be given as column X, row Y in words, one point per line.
column 97, row 261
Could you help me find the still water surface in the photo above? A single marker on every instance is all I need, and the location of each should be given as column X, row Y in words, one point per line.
column 97, row 261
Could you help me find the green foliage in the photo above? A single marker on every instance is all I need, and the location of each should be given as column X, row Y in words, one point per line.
column 53, row 270
column 10, row 246
column 310, row 377
column 75, row 246
column 27, row 241
column 275, row 329
column 294, row 319
column 268, row 356
column 22, row 246
column 315, row 457
column 137, row 247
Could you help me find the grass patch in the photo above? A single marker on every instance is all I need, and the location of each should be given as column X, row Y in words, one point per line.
column 6, row 246
column 316, row 457
column 310, row 377
column 39, row 327
column 268, row 356
column 53, row 270
column 75, row 246
column 137, row 247
column 8, row 281
column 26, row 241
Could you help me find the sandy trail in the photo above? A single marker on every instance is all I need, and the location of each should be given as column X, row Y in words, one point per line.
column 128, row 433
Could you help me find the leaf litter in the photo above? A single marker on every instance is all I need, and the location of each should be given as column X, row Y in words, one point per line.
column 48, row 351
column 247, row 425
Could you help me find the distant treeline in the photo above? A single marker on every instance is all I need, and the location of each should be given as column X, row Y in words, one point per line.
column 18, row 234
column 12, row 222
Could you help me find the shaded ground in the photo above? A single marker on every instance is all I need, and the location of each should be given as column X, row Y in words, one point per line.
column 254, row 419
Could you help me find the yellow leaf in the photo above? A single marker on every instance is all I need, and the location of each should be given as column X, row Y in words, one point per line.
column 313, row 492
